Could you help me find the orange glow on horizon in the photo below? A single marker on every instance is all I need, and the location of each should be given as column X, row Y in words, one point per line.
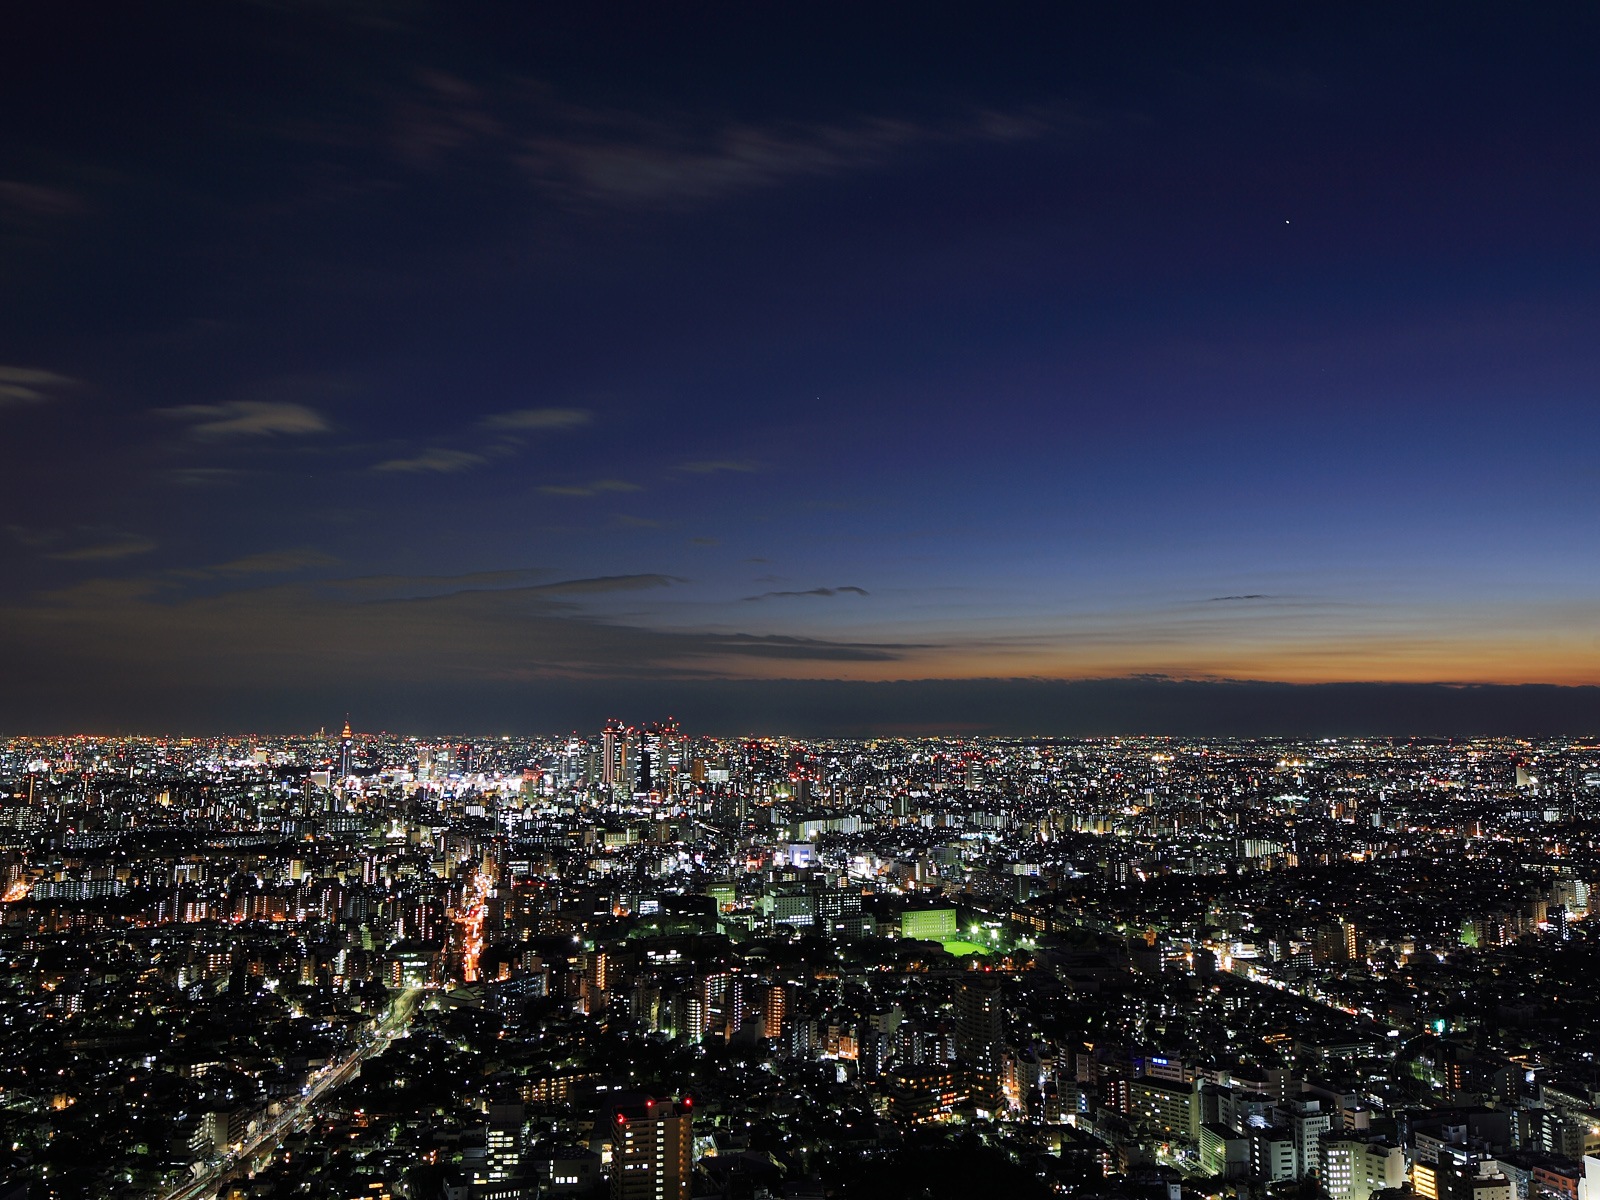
column 1559, row 656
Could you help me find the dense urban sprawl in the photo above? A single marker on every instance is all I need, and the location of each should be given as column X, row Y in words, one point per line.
column 647, row 964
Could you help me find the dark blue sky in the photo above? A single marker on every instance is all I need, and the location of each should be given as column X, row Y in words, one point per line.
column 443, row 362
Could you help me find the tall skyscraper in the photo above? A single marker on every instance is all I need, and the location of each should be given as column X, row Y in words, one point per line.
column 346, row 750
column 646, row 781
column 652, row 1149
column 774, row 1006
column 613, row 755
column 661, row 756
column 980, row 1033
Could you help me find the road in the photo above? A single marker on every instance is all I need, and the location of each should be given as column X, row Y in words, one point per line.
column 470, row 918
column 296, row 1115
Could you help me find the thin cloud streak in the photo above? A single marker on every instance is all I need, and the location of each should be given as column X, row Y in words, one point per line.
column 31, row 385
column 268, row 562
column 33, row 200
column 821, row 591
column 582, row 490
column 718, row 466
column 584, row 156
column 532, row 420
column 201, row 476
column 247, row 419
column 130, row 547
column 624, row 160
column 608, row 583
column 434, row 461
column 462, row 631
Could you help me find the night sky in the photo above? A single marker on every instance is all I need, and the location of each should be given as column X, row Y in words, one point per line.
column 509, row 366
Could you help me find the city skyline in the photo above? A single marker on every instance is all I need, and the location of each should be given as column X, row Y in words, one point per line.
column 644, row 962
column 828, row 369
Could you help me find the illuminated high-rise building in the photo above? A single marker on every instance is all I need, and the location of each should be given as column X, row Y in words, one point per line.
column 346, row 751
column 502, row 1163
column 613, row 754
column 774, row 1008
column 661, row 756
column 980, row 1033
column 652, row 1150
column 646, row 780
column 1337, row 942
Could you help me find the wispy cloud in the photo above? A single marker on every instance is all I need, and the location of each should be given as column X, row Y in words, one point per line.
column 269, row 562
column 445, row 114
column 582, row 155
column 25, row 535
column 473, row 627
column 129, row 546
column 718, row 466
column 408, row 587
column 533, row 420
column 247, row 419
column 30, row 385
column 201, row 476
column 443, row 460
column 521, row 580
column 38, row 200
column 821, row 591
column 1248, row 596
column 778, row 646
column 597, row 488
column 624, row 159
column 607, row 583
column 435, row 461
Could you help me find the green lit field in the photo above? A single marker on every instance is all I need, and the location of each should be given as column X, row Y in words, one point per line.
column 960, row 949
